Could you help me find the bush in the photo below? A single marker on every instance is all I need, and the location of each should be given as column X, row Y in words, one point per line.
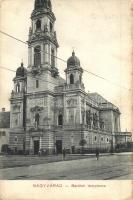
column 90, row 150
column 26, row 152
column 5, row 148
column 20, row 152
column 82, row 142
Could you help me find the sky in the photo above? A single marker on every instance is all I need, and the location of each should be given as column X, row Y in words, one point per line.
column 98, row 30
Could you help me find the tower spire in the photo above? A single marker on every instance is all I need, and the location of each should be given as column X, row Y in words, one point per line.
column 43, row 4
column 73, row 53
column 38, row 4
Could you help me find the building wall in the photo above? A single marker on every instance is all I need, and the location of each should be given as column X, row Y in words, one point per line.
column 73, row 138
column 16, row 139
column 4, row 137
column 16, row 114
column 46, row 82
column 72, row 105
column 123, row 139
column 45, row 138
column 111, row 119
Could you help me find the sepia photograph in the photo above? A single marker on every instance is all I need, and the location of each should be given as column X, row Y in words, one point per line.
column 66, row 91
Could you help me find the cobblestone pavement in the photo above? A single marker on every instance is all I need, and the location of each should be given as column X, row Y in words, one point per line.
column 115, row 167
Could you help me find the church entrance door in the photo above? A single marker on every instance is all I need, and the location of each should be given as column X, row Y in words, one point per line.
column 58, row 146
column 36, row 147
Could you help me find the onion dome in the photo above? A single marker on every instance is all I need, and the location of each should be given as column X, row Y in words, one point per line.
column 73, row 61
column 42, row 4
column 21, row 71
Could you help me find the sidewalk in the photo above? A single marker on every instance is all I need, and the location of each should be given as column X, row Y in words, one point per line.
column 19, row 161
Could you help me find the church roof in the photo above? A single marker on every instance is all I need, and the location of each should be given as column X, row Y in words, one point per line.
column 61, row 80
column 97, row 98
column 73, row 61
column 103, row 103
column 21, row 71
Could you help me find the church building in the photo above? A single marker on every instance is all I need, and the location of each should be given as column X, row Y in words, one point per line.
column 49, row 113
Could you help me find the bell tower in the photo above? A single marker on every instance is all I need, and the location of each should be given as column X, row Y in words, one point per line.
column 74, row 72
column 42, row 77
column 42, row 42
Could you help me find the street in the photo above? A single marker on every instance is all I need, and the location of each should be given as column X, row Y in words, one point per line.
column 118, row 166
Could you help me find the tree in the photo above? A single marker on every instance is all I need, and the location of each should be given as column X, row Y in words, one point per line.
column 82, row 143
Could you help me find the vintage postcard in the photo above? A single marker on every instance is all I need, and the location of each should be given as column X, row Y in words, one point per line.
column 66, row 99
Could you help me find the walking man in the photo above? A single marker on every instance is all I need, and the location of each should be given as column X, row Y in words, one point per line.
column 64, row 153
column 97, row 154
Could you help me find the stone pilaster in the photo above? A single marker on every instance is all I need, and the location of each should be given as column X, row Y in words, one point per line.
column 46, row 57
column 40, row 142
column 80, row 114
column 31, row 146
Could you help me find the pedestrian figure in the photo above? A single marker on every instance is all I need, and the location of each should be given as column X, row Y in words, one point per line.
column 64, row 153
column 39, row 152
column 97, row 154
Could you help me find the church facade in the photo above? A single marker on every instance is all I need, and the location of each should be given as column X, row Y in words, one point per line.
column 49, row 113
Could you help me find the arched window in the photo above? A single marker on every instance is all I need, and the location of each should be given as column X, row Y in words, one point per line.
column 52, row 58
column 49, row 4
column 37, row 56
column 37, row 119
column 18, row 87
column 71, row 79
column 95, row 138
column 51, row 27
column 38, row 24
column 80, row 78
column 60, row 120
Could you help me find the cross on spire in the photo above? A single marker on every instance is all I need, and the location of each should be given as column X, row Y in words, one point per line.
column 73, row 52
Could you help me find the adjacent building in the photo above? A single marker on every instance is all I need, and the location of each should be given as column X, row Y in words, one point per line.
column 48, row 112
column 123, row 138
column 4, row 130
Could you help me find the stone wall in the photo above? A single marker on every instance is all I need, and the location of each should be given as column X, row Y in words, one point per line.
column 4, row 137
column 16, row 140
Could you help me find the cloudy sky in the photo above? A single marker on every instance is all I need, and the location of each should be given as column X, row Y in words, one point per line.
column 98, row 30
